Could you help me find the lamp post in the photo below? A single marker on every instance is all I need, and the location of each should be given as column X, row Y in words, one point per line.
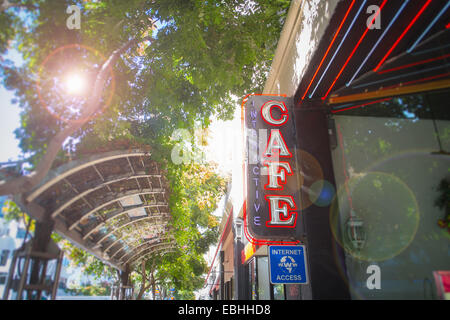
column 237, row 230
column 239, row 269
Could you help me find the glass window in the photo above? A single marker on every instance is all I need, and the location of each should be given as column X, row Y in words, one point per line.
column 391, row 168
column 4, row 257
column 292, row 292
column 278, row 292
column 3, row 277
column 230, row 289
column 252, row 279
column 2, row 202
column 263, row 279
column 21, row 233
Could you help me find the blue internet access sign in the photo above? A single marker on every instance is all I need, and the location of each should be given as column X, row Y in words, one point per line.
column 287, row 265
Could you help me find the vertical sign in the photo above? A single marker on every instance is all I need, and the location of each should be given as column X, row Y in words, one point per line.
column 272, row 188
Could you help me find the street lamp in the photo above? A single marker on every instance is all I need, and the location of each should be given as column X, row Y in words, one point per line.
column 238, row 229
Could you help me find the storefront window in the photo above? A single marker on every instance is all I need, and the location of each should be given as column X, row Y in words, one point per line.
column 278, row 292
column 293, row 292
column 252, row 279
column 3, row 277
column 261, row 288
column 390, row 164
column 4, row 257
column 263, row 278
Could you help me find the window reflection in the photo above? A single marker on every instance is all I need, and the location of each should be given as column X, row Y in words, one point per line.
column 389, row 162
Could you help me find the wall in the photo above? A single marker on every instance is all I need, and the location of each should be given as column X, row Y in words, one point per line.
column 305, row 25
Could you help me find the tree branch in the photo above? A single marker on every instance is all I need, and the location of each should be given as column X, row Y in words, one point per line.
column 26, row 183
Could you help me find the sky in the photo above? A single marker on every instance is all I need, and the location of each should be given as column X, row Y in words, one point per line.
column 224, row 143
column 10, row 119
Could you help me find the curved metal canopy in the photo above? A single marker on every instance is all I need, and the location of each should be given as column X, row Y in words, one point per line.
column 114, row 205
column 144, row 246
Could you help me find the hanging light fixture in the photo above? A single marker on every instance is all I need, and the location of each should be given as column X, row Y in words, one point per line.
column 356, row 232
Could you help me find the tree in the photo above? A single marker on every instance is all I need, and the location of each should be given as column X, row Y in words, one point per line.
column 90, row 290
column 176, row 271
column 27, row 182
column 193, row 198
column 145, row 275
column 198, row 44
column 12, row 212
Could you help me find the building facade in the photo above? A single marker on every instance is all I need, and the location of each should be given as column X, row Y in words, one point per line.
column 368, row 83
column 12, row 235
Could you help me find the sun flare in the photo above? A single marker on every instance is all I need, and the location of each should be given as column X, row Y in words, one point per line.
column 75, row 84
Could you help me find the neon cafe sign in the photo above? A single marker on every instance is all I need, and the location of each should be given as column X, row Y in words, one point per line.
column 271, row 189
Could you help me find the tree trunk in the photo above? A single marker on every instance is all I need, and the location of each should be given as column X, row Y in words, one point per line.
column 124, row 281
column 141, row 291
column 144, row 278
column 153, row 285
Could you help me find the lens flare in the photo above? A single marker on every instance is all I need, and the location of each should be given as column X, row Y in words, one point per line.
column 389, row 212
column 310, row 179
column 75, row 84
column 321, row 193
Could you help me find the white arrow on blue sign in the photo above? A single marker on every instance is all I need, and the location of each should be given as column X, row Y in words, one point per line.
column 287, row 265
